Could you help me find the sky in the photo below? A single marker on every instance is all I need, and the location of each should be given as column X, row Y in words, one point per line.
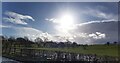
column 60, row 0
column 81, row 22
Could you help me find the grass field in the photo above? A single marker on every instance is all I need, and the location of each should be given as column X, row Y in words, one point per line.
column 100, row 50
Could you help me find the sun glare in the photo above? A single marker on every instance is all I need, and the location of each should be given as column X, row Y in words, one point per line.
column 66, row 21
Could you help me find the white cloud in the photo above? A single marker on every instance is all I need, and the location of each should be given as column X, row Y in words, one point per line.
column 95, row 12
column 17, row 18
column 15, row 21
column 28, row 31
column 31, row 33
column 73, row 35
column 85, row 23
column 102, row 21
column 78, row 32
column 3, row 26
column 52, row 19
column 88, row 38
column 97, row 35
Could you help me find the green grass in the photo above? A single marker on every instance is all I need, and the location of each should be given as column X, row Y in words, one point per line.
column 100, row 50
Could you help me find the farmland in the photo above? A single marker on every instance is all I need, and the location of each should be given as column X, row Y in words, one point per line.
column 101, row 50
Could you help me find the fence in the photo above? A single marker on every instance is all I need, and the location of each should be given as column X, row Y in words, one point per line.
column 25, row 54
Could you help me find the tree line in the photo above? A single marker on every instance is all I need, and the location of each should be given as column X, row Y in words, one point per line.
column 38, row 42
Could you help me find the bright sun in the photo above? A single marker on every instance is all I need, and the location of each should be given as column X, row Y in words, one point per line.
column 66, row 21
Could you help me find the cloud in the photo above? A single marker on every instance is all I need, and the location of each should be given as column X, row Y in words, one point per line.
column 97, row 35
column 97, row 32
column 29, row 32
column 88, row 38
column 97, row 12
column 3, row 26
column 92, row 33
column 92, row 22
column 32, row 33
column 52, row 19
column 17, row 18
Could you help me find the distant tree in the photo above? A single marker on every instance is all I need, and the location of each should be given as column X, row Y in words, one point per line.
column 5, row 44
column 85, row 46
column 74, row 44
column 11, row 43
column 11, row 39
column 24, row 42
column 26, row 38
column 108, row 43
column 20, row 39
column 80, row 44
column 68, row 43
column 49, row 44
column 2, row 37
column 38, row 40
column 45, row 39
column 115, row 43
column 61, row 44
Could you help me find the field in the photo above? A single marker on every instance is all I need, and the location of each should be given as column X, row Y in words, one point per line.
column 100, row 50
column 36, row 53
